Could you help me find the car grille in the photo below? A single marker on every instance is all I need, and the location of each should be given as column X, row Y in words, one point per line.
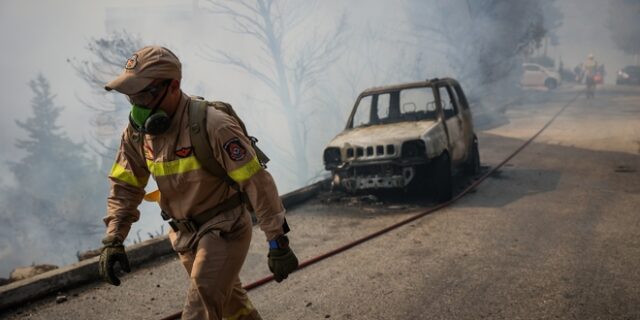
column 371, row 151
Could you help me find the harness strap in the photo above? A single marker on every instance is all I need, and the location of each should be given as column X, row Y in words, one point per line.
column 227, row 205
column 193, row 224
column 200, row 141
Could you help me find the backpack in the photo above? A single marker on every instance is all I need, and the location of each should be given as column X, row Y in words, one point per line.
column 200, row 140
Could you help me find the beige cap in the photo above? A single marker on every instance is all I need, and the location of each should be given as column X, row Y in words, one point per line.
column 144, row 66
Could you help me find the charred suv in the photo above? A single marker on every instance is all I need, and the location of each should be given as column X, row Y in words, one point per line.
column 408, row 136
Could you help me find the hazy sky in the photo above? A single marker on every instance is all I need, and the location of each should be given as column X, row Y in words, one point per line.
column 585, row 31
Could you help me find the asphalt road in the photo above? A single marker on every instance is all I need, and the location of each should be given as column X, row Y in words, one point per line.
column 553, row 235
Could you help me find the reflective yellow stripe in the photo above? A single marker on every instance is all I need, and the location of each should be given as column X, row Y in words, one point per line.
column 247, row 310
column 159, row 169
column 247, row 171
column 119, row 172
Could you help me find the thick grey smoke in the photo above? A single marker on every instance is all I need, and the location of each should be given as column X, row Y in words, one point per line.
column 624, row 23
column 482, row 43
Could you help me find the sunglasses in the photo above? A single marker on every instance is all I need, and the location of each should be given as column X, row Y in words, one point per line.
column 147, row 95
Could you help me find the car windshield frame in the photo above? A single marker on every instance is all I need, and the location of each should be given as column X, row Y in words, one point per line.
column 394, row 106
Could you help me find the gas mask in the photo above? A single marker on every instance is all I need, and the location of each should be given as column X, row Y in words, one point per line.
column 147, row 120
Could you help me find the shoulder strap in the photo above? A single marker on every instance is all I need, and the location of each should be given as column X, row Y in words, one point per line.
column 228, row 109
column 200, row 141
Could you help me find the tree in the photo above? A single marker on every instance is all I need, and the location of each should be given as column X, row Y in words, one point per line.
column 484, row 40
column 289, row 69
column 52, row 210
column 624, row 23
column 109, row 55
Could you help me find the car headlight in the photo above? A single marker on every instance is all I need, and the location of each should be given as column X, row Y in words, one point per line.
column 413, row 149
column 332, row 157
column 623, row 74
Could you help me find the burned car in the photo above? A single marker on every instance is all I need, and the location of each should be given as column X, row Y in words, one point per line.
column 411, row 136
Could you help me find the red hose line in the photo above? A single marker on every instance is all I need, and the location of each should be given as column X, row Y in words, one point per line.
column 350, row 245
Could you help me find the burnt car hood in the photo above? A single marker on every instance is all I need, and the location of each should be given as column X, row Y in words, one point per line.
column 394, row 133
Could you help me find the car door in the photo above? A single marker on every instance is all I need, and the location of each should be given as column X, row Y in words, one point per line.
column 467, row 131
column 453, row 123
column 533, row 75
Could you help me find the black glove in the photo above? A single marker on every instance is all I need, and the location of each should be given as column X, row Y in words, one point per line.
column 112, row 252
column 282, row 261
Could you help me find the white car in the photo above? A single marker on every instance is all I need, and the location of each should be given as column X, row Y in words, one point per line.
column 536, row 75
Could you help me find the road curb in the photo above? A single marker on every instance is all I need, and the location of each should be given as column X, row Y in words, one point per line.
column 86, row 271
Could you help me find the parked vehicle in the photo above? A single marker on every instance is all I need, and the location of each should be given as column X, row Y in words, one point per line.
column 629, row 75
column 536, row 75
column 406, row 136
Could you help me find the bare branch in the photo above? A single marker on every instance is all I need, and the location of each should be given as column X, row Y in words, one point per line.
column 226, row 58
column 243, row 21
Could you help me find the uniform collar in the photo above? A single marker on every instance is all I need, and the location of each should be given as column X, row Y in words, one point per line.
column 178, row 116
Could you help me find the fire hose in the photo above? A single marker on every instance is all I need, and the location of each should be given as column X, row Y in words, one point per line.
column 461, row 194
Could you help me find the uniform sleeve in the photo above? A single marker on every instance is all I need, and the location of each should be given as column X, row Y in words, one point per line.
column 234, row 152
column 128, row 177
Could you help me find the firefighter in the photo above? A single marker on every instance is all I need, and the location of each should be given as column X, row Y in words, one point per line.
column 211, row 225
column 590, row 67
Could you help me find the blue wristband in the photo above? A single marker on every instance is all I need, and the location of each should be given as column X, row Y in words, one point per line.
column 273, row 244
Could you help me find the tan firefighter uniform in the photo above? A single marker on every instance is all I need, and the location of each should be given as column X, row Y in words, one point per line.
column 214, row 255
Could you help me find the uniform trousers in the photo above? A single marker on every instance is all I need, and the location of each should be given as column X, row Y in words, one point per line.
column 215, row 290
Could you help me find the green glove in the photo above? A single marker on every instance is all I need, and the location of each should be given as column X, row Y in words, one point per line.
column 282, row 261
column 112, row 252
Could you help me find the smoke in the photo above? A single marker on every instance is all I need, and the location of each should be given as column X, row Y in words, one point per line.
column 387, row 42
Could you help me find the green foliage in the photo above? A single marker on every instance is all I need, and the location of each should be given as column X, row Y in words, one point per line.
column 57, row 202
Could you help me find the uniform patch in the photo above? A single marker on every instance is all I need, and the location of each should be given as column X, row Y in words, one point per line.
column 148, row 153
column 131, row 62
column 235, row 150
column 184, row 152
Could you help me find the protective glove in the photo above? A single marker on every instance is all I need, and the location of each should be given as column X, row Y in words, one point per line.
column 112, row 252
column 282, row 261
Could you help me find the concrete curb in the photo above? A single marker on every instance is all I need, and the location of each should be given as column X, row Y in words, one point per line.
column 70, row 276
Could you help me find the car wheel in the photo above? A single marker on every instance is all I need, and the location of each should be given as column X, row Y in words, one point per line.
column 442, row 181
column 551, row 83
column 472, row 166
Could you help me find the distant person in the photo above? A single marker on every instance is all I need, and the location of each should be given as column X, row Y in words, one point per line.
column 589, row 70
column 211, row 227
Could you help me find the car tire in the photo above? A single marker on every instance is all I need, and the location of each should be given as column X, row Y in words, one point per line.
column 551, row 83
column 472, row 165
column 441, row 178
